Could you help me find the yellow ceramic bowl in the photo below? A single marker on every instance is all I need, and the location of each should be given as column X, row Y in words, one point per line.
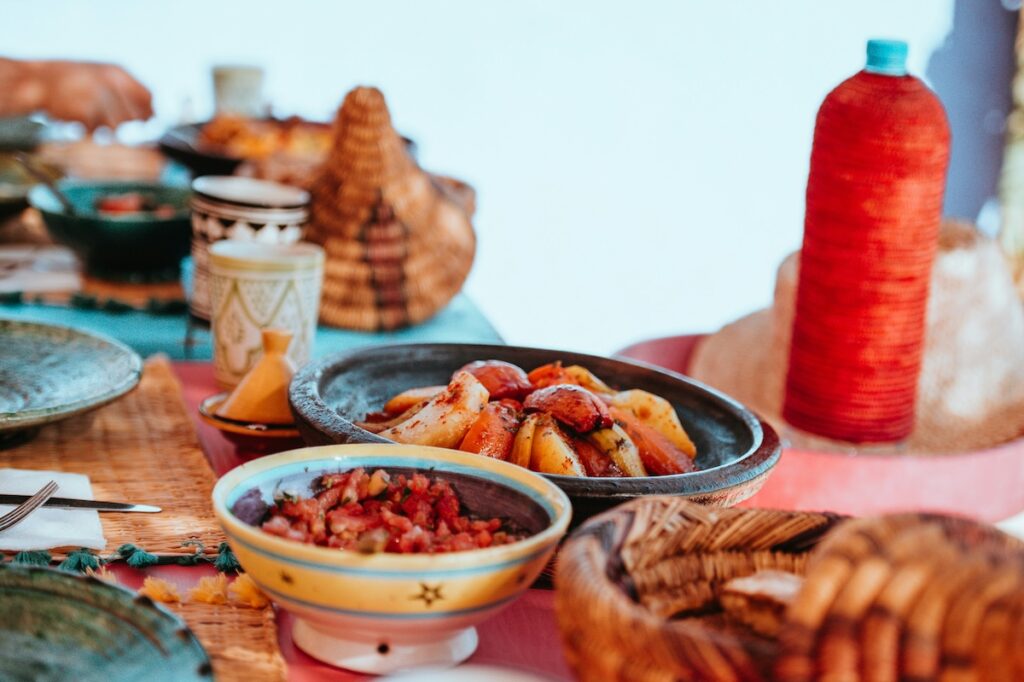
column 385, row 612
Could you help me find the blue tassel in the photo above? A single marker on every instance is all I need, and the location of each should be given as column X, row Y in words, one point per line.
column 80, row 560
column 226, row 562
column 37, row 558
column 136, row 557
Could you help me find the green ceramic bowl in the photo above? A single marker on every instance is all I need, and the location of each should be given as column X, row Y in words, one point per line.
column 60, row 626
column 134, row 246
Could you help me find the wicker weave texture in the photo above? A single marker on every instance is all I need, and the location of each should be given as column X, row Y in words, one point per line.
column 241, row 642
column 911, row 596
column 399, row 241
column 624, row 572
column 908, row 597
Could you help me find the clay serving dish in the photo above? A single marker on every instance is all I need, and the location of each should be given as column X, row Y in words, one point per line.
column 249, row 436
column 384, row 612
column 736, row 450
column 182, row 143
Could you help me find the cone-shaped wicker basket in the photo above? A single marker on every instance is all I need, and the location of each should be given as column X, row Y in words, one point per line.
column 399, row 240
column 902, row 597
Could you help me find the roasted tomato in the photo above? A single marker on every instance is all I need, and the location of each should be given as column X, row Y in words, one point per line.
column 493, row 432
column 659, row 455
column 514, row 404
column 576, row 407
column 550, row 374
column 501, row 379
column 594, row 461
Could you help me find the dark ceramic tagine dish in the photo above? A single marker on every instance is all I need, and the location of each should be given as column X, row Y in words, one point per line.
column 736, row 450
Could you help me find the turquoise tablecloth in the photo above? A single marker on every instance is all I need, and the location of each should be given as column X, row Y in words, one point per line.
column 460, row 322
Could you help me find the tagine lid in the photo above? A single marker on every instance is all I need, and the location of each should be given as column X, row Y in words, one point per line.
column 399, row 241
column 262, row 395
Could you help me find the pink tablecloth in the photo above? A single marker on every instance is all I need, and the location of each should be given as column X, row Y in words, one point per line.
column 524, row 636
column 985, row 484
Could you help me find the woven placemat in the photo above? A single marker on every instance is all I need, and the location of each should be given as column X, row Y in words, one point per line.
column 144, row 448
column 241, row 642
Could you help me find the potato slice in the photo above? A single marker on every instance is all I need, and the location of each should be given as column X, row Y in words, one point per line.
column 616, row 443
column 522, row 447
column 446, row 417
column 378, row 426
column 551, row 452
column 581, row 376
column 406, row 399
column 657, row 413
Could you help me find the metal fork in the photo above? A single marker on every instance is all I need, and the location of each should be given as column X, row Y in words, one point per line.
column 19, row 513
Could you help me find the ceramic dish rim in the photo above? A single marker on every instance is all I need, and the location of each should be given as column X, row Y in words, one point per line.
column 181, row 626
column 38, row 190
column 756, row 461
column 43, row 415
column 240, row 426
column 326, row 557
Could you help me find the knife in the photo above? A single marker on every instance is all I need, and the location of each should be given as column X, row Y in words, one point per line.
column 68, row 503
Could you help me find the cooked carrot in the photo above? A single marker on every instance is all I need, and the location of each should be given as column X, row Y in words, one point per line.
column 594, row 461
column 549, row 375
column 376, row 426
column 659, row 456
column 493, row 432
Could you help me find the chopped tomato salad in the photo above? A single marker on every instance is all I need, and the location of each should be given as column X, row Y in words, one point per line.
column 377, row 512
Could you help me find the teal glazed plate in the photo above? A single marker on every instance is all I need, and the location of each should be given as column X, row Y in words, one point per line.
column 49, row 373
column 60, row 626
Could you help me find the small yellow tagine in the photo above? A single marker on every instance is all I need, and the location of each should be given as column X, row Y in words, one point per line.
column 262, row 395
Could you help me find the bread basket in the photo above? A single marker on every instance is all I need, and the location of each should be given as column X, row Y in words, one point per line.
column 913, row 596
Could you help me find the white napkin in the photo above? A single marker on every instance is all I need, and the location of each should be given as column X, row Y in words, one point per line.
column 47, row 528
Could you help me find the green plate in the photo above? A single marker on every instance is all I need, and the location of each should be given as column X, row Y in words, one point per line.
column 58, row 626
column 49, row 373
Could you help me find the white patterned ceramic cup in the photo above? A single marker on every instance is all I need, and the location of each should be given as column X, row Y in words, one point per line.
column 239, row 209
column 259, row 286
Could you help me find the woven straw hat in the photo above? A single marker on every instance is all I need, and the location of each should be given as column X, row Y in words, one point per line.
column 399, row 240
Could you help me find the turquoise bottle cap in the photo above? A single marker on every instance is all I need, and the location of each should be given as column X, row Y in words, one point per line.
column 887, row 57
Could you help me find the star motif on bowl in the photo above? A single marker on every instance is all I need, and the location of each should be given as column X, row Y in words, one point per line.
column 428, row 595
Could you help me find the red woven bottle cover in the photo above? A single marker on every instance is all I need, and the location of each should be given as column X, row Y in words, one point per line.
column 874, row 202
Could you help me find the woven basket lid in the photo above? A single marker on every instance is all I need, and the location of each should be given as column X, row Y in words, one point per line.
column 399, row 241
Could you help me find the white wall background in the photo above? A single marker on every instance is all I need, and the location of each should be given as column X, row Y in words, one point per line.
column 640, row 165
